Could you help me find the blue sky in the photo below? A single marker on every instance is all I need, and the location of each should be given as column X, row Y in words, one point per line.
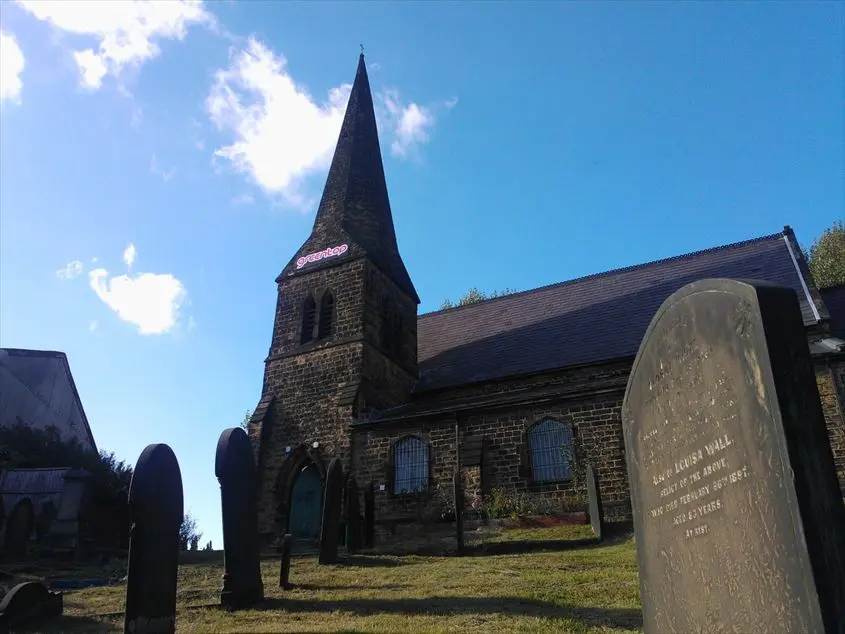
column 160, row 164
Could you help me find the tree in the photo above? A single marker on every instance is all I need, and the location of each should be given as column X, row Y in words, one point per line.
column 474, row 295
column 188, row 533
column 25, row 447
column 826, row 256
column 245, row 421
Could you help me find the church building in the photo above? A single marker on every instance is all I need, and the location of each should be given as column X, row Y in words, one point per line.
column 519, row 392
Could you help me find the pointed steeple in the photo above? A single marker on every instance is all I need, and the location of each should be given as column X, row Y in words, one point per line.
column 355, row 207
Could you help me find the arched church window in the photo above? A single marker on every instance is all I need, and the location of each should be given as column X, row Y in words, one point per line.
column 551, row 451
column 410, row 465
column 324, row 328
column 309, row 316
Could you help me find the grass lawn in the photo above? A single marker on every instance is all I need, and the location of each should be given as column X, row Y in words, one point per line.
column 592, row 589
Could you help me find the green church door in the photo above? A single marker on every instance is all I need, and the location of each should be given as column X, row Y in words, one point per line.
column 306, row 504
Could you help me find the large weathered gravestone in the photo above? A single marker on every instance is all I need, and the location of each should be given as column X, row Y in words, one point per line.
column 354, row 535
column 284, row 568
column 369, row 515
column 155, row 505
column 234, row 466
column 28, row 603
column 739, row 520
column 332, row 512
column 594, row 502
column 459, row 510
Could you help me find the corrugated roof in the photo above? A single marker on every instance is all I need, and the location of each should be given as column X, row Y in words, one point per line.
column 584, row 321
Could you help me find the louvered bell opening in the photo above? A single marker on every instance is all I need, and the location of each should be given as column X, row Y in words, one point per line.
column 308, row 317
column 326, row 313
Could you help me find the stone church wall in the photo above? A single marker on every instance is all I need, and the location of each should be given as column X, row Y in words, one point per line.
column 597, row 425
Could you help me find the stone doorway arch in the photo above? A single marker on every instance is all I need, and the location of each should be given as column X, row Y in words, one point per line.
column 301, row 480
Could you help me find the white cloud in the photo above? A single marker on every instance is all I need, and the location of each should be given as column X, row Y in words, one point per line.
column 150, row 301
column 165, row 175
column 71, row 270
column 129, row 255
column 126, row 32
column 93, row 326
column 411, row 129
column 243, row 199
column 280, row 135
column 451, row 103
column 11, row 66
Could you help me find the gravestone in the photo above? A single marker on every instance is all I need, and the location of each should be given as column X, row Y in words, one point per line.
column 234, row 466
column 594, row 502
column 284, row 569
column 459, row 510
column 18, row 530
column 354, row 535
column 155, row 507
column 332, row 512
column 28, row 603
column 738, row 516
column 369, row 515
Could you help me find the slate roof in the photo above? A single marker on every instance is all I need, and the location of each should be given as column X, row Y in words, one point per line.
column 355, row 206
column 590, row 320
column 834, row 299
column 38, row 387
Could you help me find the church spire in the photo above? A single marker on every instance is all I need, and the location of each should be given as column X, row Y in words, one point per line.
column 355, row 207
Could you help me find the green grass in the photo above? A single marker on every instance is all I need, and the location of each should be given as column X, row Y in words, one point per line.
column 592, row 589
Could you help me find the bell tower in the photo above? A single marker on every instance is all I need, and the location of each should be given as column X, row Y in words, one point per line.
column 345, row 330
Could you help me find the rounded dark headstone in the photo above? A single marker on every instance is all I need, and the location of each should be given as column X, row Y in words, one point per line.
column 234, row 466
column 156, row 508
column 332, row 513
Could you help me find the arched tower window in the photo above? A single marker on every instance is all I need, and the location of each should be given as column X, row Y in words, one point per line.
column 410, row 465
column 326, row 315
column 309, row 316
column 552, row 451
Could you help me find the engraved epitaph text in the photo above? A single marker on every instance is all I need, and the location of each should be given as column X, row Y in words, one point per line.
column 715, row 510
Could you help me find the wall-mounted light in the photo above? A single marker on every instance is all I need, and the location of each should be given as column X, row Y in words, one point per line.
column 315, row 444
column 287, row 449
column 381, row 487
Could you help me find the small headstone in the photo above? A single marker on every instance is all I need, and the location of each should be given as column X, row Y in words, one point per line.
column 284, row 569
column 234, row 466
column 739, row 521
column 459, row 510
column 354, row 536
column 155, row 506
column 369, row 515
column 28, row 603
column 18, row 530
column 594, row 503
column 332, row 512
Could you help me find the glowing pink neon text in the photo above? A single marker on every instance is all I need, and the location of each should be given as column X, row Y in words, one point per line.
column 319, row 255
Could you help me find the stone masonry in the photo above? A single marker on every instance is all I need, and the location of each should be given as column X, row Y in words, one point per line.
column 343, row 377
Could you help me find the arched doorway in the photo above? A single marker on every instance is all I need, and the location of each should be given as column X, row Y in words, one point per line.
column 18, row 530
column 306, row 503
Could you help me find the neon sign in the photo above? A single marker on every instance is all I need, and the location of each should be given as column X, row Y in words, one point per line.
column 319, row 255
